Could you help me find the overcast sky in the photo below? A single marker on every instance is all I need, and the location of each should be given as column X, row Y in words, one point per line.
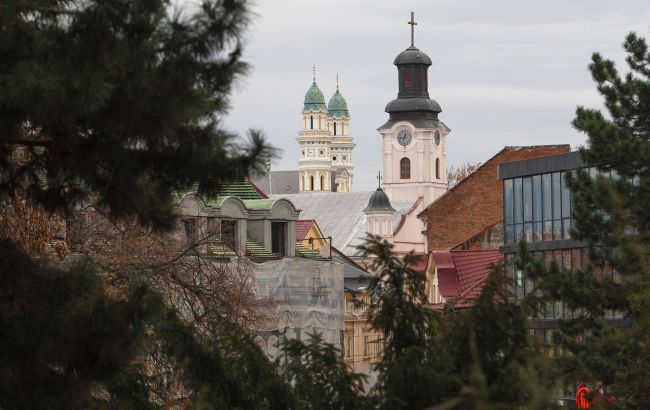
column 504, row 72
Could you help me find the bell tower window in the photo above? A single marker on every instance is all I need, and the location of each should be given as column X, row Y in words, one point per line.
column 322, row 182
column 334, row 128
column 437, row 168
column 311, row 121
column 405, row 168
column 311, row 182
column 408, row 79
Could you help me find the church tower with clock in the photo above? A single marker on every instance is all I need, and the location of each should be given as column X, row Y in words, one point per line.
column 414, row 139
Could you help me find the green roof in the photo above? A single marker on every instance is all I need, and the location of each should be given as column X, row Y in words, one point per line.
column 338, row 107
column 258, row 252
column 259, row 203
column 243, row 190
column 305, row 252
column 314, row 99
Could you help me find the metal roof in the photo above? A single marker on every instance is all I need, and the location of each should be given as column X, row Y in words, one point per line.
column 340, row 215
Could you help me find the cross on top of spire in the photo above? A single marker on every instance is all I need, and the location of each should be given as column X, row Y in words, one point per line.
column 313, row 72
column 413, row 24
column 337, row 81
column 379, row 178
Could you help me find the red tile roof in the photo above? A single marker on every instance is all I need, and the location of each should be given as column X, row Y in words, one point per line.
column 461, row 274
column 302, row 228
column 421, row 264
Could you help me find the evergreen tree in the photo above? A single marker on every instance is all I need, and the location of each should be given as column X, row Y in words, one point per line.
column 413, row 371
column 321, row 380
column 118, row 103
column 610, row 213
column 480, row 357
column 121, row 99
column 65, row 343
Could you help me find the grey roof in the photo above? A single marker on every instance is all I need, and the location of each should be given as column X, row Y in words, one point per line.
column 413, row 104
column 354, row 277
column 340, row 215
column 540, row 165
column 282, row 182
column 412, row 55
column 379, row 202
column 417, row 122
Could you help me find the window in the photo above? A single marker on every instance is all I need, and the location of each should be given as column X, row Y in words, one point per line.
column 365, row 346
column 322, row 182
column 437, row 168
column 405, row 168
column 278, row 237
column 228, row 233
column 311, row 182
column 190, row 229
column 408, row 79
column 348, row 347
column 537, row 208
column 311, row 121
column 508, row 211
column 334, row 128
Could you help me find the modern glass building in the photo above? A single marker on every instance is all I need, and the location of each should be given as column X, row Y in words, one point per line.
column 537, row 207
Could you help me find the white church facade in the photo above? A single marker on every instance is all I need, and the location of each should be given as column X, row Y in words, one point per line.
column 324, row 143
column 413, row 170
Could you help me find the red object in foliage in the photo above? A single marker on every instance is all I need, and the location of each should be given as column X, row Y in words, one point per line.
column 582, row 397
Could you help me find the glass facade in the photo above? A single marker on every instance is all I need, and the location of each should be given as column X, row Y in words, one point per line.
column 575, row 258
column 536, row 208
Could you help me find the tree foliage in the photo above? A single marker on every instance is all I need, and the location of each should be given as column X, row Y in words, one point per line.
column 611, row 215
column 321, row 380
column 121, row 99
column 68, row 344
column 455, row 174
column 479, row 357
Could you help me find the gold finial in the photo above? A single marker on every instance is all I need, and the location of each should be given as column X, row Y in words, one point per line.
column 337, row 81
column 313, row 72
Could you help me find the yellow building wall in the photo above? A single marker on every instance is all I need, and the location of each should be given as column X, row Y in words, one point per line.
column 313, row 233
column 362, row 346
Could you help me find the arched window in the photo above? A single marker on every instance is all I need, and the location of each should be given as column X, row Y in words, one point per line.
column 311, row 121
column 311, row 182
column 437, row 168
column 405, row 168
column 322, row 182
column 335, row 128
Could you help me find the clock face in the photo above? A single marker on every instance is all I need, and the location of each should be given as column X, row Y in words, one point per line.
column 437, row 138
column 404, row 137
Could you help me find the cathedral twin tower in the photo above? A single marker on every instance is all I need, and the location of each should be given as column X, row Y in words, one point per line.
column 325, row 162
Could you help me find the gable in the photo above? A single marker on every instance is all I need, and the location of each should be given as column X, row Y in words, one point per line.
column 477, row 201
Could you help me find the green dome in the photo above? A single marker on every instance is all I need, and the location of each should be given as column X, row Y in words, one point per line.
column 314, row 99
column 338, row 107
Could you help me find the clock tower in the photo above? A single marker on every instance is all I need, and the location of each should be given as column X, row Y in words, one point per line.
column 414, row 140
